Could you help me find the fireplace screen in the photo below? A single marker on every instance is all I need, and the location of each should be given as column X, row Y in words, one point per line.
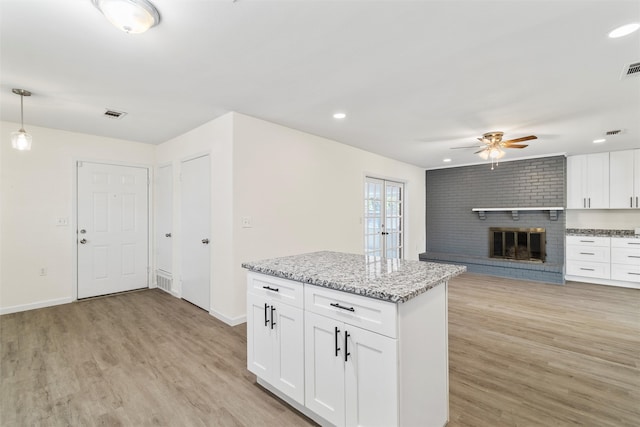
column 525, row 244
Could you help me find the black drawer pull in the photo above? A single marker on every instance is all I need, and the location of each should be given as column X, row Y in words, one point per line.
column 587, row 253
column 336, row 305
column 269, row 288
column 587, row 269
column 633, row 243
column 634, row 256
column 635, row 274
column 587, row 241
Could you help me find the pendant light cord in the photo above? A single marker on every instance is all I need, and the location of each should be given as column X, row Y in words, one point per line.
column 22, row 112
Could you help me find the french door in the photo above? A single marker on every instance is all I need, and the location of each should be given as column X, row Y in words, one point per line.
column 383, row 218
column 113, row 215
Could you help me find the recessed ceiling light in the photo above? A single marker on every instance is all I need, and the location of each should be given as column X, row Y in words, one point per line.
column 446, row 160
column 339, row 115
column 599, row 141
column 624, row 30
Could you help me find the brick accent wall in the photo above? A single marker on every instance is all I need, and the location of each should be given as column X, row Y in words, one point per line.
column 456, row 234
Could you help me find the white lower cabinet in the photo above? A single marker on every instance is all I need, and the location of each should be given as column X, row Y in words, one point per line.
column 275, row 337
column 348, row 360
column 611, row 261
column 350, row 373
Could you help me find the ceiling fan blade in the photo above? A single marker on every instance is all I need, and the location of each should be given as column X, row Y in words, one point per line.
column 515, row 145
column 480, row 151
column 468, row 146
column 524, row 138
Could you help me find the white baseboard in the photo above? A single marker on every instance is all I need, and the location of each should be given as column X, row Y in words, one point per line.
column 35, row 305
column 231, row 321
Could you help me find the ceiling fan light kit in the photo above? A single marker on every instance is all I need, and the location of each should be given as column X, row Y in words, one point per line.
column 130, row 16
column 494, row 146
column 21, row 140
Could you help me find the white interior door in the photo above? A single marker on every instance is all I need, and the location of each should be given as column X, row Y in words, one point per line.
column 196, row 225
column 112, row 203
column 164, row 219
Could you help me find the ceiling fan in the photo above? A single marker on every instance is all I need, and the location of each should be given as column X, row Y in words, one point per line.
column 494, row 145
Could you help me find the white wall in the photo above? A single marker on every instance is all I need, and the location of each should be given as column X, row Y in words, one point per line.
column 37, row 189
column 305, row 193
column 213, row 138
column 615, row 219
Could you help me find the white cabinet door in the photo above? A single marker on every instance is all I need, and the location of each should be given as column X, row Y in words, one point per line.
column 324, row 367
column 636, row 179
column 288, row 344
column 588, row 181
column 622, row 179
column 598, row 181
column 259, row 341
column 371, row 381
column 576, row 183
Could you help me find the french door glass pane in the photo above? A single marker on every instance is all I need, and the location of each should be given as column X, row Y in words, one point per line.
column 383, row 221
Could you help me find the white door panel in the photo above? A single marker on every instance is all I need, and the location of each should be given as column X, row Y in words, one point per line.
column 164, row 218
column 112, row 203
column 196, row 226
column 383, row 218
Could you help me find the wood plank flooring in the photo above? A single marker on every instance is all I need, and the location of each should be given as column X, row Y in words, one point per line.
column 521, row 354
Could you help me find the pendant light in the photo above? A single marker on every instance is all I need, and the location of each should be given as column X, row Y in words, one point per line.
column 21, row 140
column 130, row 16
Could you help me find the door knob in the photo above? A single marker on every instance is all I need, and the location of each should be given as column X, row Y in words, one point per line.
column 205, row 241
column 167, row 235
column 83, row 241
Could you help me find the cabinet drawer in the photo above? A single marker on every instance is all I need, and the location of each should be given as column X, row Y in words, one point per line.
column 629, row 256
column 367, row 313
column 588, row 241
column 627, row 273
column 622, row 242
column 275, row 288
column 588, row 253
column 599, row 270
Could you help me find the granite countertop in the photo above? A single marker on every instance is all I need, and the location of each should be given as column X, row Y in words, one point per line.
column 596, row 232
column 387, row 279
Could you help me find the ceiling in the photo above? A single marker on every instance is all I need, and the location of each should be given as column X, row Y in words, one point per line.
column 415, row 78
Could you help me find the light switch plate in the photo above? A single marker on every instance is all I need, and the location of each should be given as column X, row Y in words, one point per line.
column 246, row 222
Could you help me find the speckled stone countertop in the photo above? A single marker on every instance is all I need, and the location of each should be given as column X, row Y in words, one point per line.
column 386, row 279
column 596, row 232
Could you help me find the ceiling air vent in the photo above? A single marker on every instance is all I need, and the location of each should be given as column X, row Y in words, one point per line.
column 631, row 70
column 113, row 114
column 613, row 132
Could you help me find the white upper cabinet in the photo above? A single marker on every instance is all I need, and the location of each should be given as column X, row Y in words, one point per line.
column 625, row 179
column 588, row 181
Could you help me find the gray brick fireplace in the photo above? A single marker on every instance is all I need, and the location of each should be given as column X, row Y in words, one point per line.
column 456, row 234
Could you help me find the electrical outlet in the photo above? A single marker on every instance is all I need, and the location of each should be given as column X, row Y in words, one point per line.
column 43, row 271
column 246, row 222
column 62, row 221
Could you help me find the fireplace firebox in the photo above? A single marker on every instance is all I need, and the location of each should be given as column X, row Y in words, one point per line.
column 522, row 244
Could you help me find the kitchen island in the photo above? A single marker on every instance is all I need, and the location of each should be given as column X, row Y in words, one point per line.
column 352, row 340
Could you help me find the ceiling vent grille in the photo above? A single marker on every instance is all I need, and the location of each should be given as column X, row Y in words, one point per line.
column 613, row 132
column 631, row 70
column 113, row 114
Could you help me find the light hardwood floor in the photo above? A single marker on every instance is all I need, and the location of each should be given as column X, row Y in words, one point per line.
column 521, row 354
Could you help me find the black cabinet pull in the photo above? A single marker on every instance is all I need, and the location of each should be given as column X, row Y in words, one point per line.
column 272, row 322
column 336, row 335
column 336, row 305
column 266, row 321
column 271, row 289
column 346, row 351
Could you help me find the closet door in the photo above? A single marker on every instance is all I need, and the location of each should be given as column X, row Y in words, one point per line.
column 196, row 229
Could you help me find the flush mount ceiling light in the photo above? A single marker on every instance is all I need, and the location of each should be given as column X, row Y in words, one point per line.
column 624, row 30
column 21, row 140
column 599, row 141
column 339, row 115
column 131, row 16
